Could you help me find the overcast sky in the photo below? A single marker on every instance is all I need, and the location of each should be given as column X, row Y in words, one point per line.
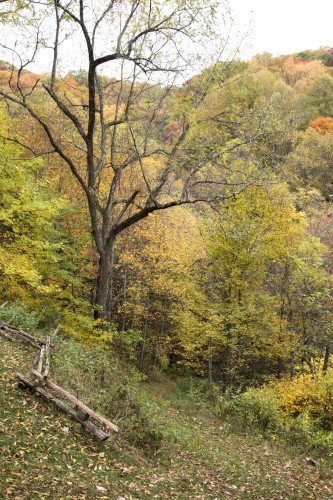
column 286, row 26
column 278, row 27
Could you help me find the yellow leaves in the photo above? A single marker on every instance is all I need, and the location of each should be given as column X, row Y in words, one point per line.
column 307, row 393
column 162, row 247
column 86, row 329
column 300, row 74
column 259, row 226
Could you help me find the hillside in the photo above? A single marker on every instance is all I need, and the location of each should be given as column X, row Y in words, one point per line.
column 168, row 215
column 44, row 455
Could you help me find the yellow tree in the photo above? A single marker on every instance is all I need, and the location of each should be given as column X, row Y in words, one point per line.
column 30, row 216
column 109, row 131
column 153, row 277
column 253, row 233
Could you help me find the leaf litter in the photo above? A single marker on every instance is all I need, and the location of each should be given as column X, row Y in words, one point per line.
column 46, row 455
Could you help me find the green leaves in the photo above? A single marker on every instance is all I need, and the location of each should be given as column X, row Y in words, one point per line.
column 28, row 215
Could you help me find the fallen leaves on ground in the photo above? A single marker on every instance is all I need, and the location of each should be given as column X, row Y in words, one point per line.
column 44, row 455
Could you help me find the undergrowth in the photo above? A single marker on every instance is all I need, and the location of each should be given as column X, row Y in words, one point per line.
column 298, row 411
column 171, row 444
column 108, row 387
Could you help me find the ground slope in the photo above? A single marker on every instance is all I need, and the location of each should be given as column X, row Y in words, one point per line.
column 44, row 455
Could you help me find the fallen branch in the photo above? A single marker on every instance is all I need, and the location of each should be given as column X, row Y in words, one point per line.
column 40, row 359
column 100, row 434
column 47, row 357
column 56, row 331
column 81, row 412
column 7, row 331
column 79, row 405
column 6, row 336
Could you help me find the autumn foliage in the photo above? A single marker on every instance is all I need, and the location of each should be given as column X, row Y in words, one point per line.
column 238, row 289
column 322, row 124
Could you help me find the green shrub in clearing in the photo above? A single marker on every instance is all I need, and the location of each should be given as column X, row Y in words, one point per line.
column 255, row 408
column 19, row 316
column 308, row 394
column 299, row 411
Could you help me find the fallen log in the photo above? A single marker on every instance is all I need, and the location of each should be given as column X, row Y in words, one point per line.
column 6, row 335
column 13, row 337
column 82, row 414
column 21, row 332
column 99, row 433
column 8, row 330
column 79, row 405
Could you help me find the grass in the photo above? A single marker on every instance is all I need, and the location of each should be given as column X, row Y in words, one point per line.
column 45, row 455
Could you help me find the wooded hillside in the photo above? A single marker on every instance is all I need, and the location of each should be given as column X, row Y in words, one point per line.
column 181, row 226
column 238, row 287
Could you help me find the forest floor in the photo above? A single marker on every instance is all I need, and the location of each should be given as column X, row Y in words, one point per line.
column 44, row 455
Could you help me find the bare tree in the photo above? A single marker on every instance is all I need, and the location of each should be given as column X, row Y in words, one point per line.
column 110, row 137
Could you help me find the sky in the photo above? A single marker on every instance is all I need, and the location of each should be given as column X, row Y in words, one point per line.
column 285, row 26
column 277, row 26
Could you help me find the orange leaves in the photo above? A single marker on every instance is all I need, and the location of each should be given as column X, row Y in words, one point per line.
column 301, row 73
column 322, row 124
column 27, row 80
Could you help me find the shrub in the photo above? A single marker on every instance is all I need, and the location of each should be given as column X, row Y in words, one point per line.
column 299, row 411
column 255, row 408
column 311, row 395
column 19, row 316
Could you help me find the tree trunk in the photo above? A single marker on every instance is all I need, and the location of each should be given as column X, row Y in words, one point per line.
column 124, row 319
column 143, row 346
column 210, row 362
column 326, row 358
column 104, row 281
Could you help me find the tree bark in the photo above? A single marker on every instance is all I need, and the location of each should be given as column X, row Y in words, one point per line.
column 104, row 281
column 143, row 345
column 326, row 358
column 210, row 362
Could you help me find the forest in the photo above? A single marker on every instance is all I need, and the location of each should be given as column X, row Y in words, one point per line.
column 179, row 231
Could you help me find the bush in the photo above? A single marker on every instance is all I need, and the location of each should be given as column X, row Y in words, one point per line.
column 255, row 408
column 20, row 316
column 299, row 411
column 311, row 395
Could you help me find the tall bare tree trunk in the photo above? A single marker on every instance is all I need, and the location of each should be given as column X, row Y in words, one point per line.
column 104, row 282
column 143, row 345
column 210, row 362
column 326, row 358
